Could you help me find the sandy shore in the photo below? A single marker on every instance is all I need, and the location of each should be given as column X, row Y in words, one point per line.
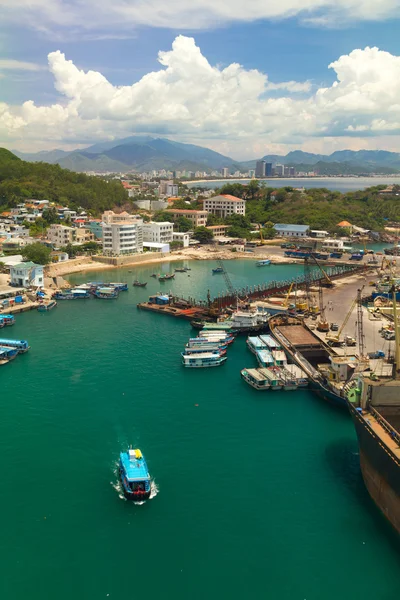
column 203, row 253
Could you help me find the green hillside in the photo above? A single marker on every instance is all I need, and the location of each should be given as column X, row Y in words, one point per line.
column 20, row 180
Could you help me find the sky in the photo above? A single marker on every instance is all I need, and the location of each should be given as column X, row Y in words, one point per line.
column 243, row 78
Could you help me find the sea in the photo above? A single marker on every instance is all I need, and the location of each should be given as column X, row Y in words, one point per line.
column 255, row 494
column 339, row 184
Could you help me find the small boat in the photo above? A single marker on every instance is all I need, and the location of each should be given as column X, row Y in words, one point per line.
column 137, row 283
column 270, row 342
column 106, row 293
column 134, row 474
column 218, row 270
column 7, row 320
column 217, row 337
column 254, row 344
column 21, row 345
column 275, row 381
column 199, row 350
column 121, row 287
column 73, row 294
column 279, row 357
column 257, row 380
column 219, row 326
column 154, row 275
column 201, row 343
column 263, row 263
column 208, row 359
column 180, row 270
column 45, row 306
column 166, row 277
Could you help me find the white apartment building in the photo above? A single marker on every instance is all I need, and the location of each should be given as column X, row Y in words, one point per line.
column 60, row 235
column 122, row 234
column 181, row 237
column 225, row 205
column 168, row 188
column 160, row 233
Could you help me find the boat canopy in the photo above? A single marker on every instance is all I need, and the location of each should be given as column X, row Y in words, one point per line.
column 23, row 344
column 135, row 466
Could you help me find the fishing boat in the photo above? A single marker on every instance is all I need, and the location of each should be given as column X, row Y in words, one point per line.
column 289, row 382
column 264, row 358
column 218, row 326
column 72, row 294
column 154, row 275
column 166, row 277
column 198, row 350
column 218, row 270
column 134, row 474
column 297, row 374
column 121, row 287
column 137, row 283
column 20, row 345
column 8, row 353
column 7, row 320
column 46, row 306
column 257, row 380
column 263, row 263
column 279, row 357
column 217, row 337
column 180, row 270
column 106, row 293
column 270, row 342
column 3, row 358
column 202, row 343
column 208, row 359
column 254, row 344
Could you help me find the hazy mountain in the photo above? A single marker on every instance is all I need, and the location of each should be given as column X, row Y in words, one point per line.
column 49, row 156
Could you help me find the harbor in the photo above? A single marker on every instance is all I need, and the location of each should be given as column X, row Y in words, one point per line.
column 300, row 454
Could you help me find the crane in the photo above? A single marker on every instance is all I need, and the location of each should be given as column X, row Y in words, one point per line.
column 286, row 300
column 322, row 324
column 360, row 324
column 328, row 281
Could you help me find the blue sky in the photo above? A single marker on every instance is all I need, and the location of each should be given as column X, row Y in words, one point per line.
column 287, row 49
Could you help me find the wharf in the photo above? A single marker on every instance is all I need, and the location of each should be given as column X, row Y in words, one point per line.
column 167, row 309
column 19, row 308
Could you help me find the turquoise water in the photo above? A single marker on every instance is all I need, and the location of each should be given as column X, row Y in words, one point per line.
column 259, row 494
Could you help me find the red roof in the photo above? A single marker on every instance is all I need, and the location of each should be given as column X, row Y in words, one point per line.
column 178, row 211
column 344, row 224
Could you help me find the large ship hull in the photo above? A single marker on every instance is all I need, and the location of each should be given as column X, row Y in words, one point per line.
column 380, row 470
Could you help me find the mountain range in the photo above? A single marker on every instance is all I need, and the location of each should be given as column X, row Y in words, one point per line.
column 145, row 153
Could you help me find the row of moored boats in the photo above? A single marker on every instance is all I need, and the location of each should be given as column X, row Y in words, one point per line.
column 95, row 289
column 273, row 371
column 208, row 349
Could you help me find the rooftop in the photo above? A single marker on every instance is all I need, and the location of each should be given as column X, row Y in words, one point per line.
column 135, row 468
column 344, row 224
column 25, row 265
column 286, row 226
column 227, row 197
column 180, row 211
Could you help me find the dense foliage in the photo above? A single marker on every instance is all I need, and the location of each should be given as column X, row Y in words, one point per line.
column 320, row 208
column 37, row 253
column 20, row 180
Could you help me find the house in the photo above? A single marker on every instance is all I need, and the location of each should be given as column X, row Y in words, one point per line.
column 346, row 225
column 197, row 217
column 319, row 234
column 295, row 231
column 225, row 205
column 181, row 237
column 58, row 256
column 83, row 235
column 60, row 235
column 156, row 247
column 26, row 274
column 122, row 233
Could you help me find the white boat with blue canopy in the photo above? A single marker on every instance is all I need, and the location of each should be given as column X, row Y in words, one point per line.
column 8, row 352
column 202, row 342
column 270, row 342
column 265, row 358
column 208, row 359
column 134, row 474
column 21, row 345
column 254, row 344
column 7, row 320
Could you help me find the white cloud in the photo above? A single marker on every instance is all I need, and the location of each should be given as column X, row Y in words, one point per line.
column 18, row 65
column 231, row 107
column 196, row 14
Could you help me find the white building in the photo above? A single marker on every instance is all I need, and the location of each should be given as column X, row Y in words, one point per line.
column 168, row 188
column 161, row 232
column 225, row 205
column 60, row 235
column 332, row 244
column 122, row 234
column 295, row 231
column 181, row 237
column 26, row 274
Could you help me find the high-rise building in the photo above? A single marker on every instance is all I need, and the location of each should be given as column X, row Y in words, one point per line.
column 279, row 170
column 268, row 169
column 122, row 233
column 252, row 173
column 292, row 172
column 260, row 168
column 225, row 172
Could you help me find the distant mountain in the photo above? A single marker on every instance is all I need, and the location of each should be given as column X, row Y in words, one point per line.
column 138, row 153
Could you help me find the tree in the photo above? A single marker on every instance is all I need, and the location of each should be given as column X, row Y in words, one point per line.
column 176, row 245
column 238, row 232
column 214, row 220
column 50, row 215
column 203, row 235
column 183, row 224
column 71, row 250
column 91, row 247
column 161, row 215
column 37, row 253
column 181, row 204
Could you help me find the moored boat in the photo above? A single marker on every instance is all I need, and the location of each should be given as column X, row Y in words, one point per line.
column 202, row 343
column 72, row 294
column 21, row 345
column 106, row 293
column 263, row 263
column 205, row 360
column 264, row 358
column 257, row 380
column 166, row 277
column 8, row 353
column 218, row 270
column 134, row 474
column 137, row 283
column 274, row 380
column 255, row 344
column 46, row 306
column 121, row 287
column 7, row 320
